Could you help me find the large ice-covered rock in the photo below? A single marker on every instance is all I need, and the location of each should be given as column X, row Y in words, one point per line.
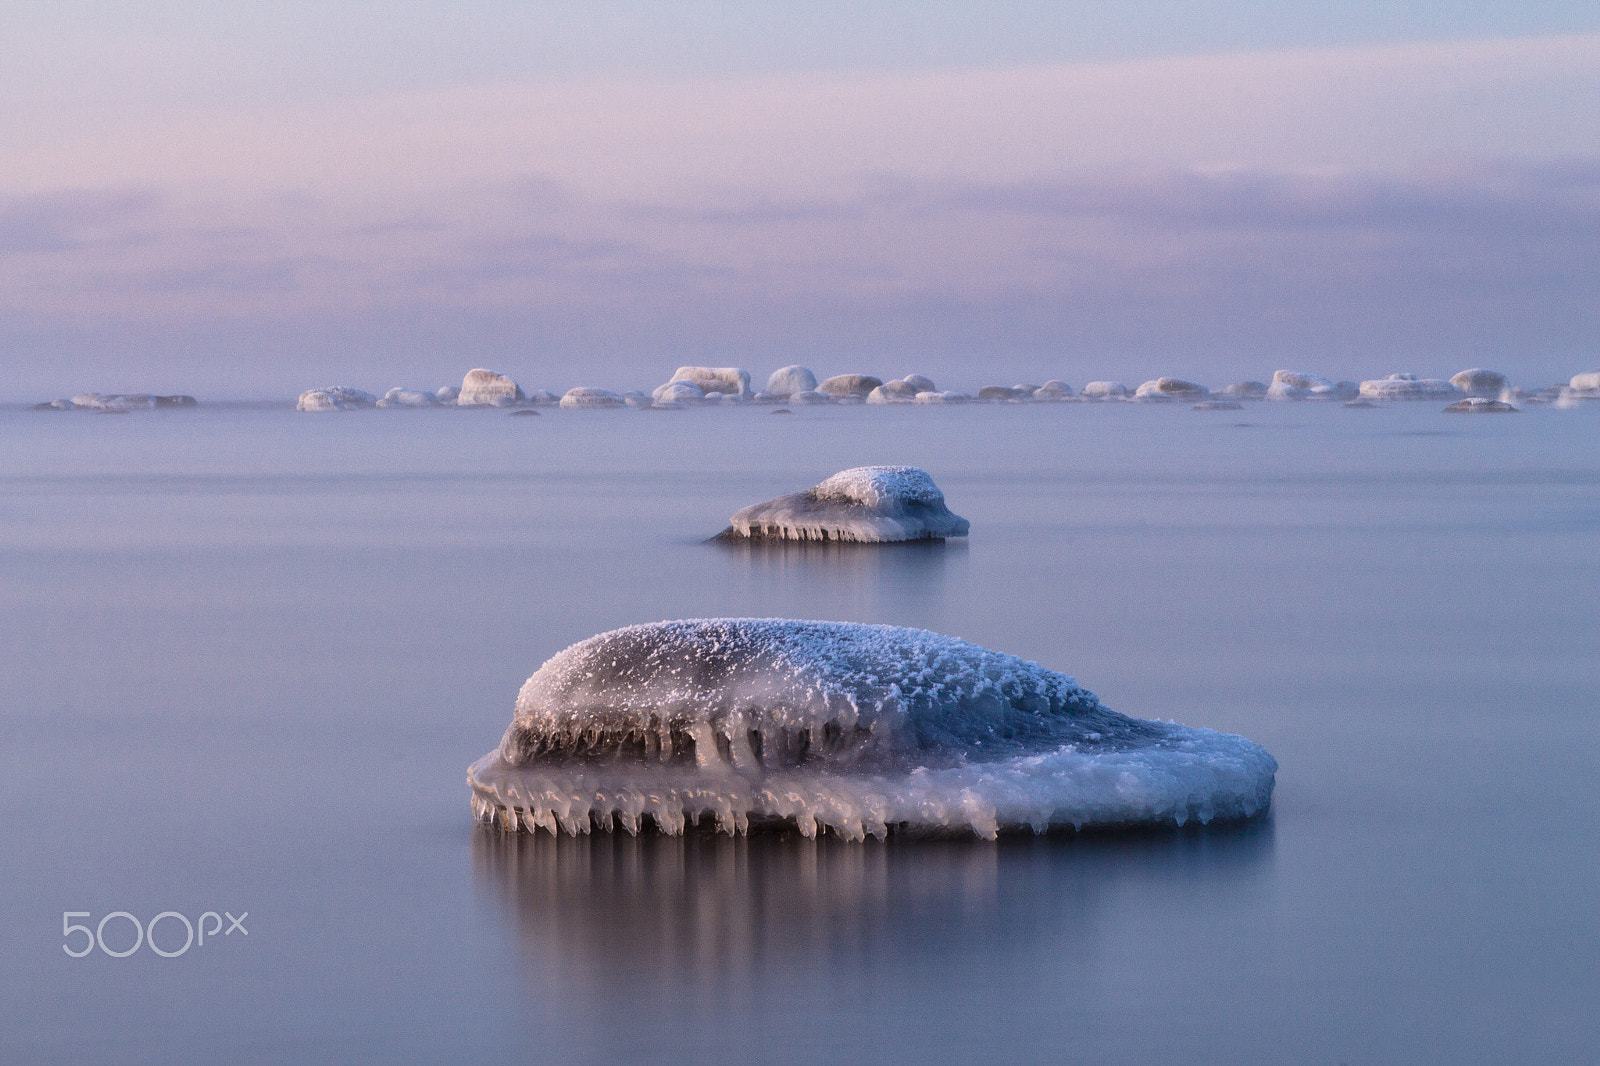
column 842, row 385
column 1589, row 382
column 485, row 387
column 398, row 397
column 728, row 380
column 1105, row 390
column 1171, row 389
column 583, row 397
column 335, row 398
column 1053, row 390
column 863, row 730
column 789, row 380
column 867, row 504
column 1408, row 387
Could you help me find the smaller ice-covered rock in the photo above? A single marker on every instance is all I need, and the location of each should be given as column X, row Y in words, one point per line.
column 763, row 398
column 1338, row 390
column 789, row 380
column 1244, row 390
column 583, row 396
column 1408, row 387
column 678, row 392
column 1589, row 382
column 1480, row 405
column 1298, row 379
column 947, row 396
column 998, row 394
column 55, row 405
column 1105, row 390
column 867, row 504
column 1488, row 384
column 398, row 397
column 486, row 388
column 335, row 398
column 893, row 392
column 1053, row 390
column 842, row 385
column 729, row 380
column 810, row 397
column 1282, row 390
column 920, row 383
column 1171, row 389
column 543, row 398
column 446, row 394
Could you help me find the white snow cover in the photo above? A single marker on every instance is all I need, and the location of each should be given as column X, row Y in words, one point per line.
column 679, row 392
column 485, row 387
column 114, row 401
column 335, row 398
column 398, row 397
column 1408, row 387
column 866, row 504
column 1480, row 405
column 856, row 728
column 1105, row 390
column 789, row 380
column 1589, row 382
column 728, row 380
column 1488, row 384
column 587, row 397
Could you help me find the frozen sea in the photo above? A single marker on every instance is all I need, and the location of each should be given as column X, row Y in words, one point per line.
column 249, row 654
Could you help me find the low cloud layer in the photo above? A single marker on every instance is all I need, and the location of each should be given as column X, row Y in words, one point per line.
column 1041, row 263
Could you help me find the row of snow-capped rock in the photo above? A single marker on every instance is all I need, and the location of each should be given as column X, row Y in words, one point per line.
column 115, row 401
column 797, row 385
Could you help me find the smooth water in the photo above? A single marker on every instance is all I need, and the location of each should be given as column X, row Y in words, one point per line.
column 250, row 653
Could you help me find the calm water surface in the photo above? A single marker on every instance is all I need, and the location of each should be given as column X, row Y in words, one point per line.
column 250, row 653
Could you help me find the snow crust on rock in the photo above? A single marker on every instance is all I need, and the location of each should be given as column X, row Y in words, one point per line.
column 1105, row 390
column 583, row 396
column 728, row 380
column 787, row 381
column 861, row 729
column 1488, row 384
column 1408, row 387
column 398, row 397
column 866, row 504
column 841, row 385
column 334, row 398
column 485, row 387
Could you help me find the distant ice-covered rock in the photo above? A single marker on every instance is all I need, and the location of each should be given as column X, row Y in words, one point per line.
column 482, row 388
column 920, row 383
column 584, row 397
column 54, row 405
column 842, row 385
column 1171, row 389
column 1480, row 405
column 763, row 398
column 1244, row 390
column 1299, row 379
column 789, row 380
column 679, row 392
column 1488, row 384
column 893, row 392
column 634, row 398
column 998, row 394
column 867, row 504
column 398, row 397
column 859, row 729
column 1105, row 390
column 728, row 380
column 543, row 398
column 810, row 397
column 1408, row 387
column 1589, row 382
column 1282, row 390
column 1053, row 390
column 335, row 398
column 447, row 394
column 117, row 401
column 947, row 396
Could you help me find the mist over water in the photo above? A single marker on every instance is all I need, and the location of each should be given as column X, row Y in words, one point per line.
column 251, row 654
